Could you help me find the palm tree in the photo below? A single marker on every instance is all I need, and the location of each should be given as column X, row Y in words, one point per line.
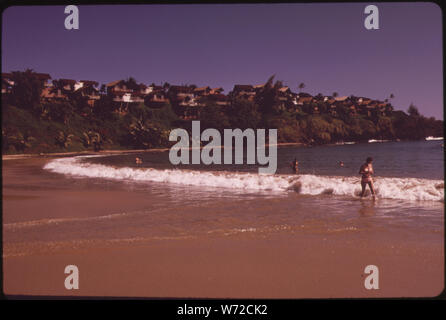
column 63, row 139
column 391, row 96
column 21, row 141
column 92, row 138
column 58, row 87
column 131, row 83
column 413, row 111
column 103, row 89
column 27, row 90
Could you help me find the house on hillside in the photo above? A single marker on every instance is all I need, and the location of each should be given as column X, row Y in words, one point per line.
column 117, row 86
column 67, row 84
column 219, row 99
column 352, row 111
column 53, row 94
column 127, row 97
column 341, row 99
column 203, row 91
column 332, row 109
column 285, row 91
column 363, row 101
column 44, row 78
column 244, row 91
column 156, row 99
column 329, row 100
column 154, row 88
column 218, row 90
column 180, row 93
column 314, row 109
column 88, row 88
column 304, row 97
column 7, row 83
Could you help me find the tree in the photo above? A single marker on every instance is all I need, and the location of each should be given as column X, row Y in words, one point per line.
column 27, row 90
column 243, row 114
column 146, row 135
column 267, row 98
column 301, row 86
column 212, row 116
column 318, row 129
column 164, row 116
column 131, row 83
column 413, row 111
column 92, row 139
column 338, row 129
column 103, row 109
column 385, row 128
column 60, row 111
column 19, row 141
column 63, row 140
column 335, row 94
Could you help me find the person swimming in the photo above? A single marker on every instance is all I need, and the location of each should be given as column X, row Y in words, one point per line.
column 295, row 166
column 366, row 171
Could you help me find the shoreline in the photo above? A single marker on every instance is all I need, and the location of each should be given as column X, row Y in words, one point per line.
column 130, row 151
column 113, row 152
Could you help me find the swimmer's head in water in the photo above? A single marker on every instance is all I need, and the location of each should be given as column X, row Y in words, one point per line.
column 369, row 160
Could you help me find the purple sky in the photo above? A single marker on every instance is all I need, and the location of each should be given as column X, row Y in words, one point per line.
column 323, row 45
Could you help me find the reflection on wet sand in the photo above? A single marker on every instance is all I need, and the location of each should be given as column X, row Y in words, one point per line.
column 367, row 208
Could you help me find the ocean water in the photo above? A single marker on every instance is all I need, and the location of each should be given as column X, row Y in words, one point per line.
column 162, row 201
column 411, row 171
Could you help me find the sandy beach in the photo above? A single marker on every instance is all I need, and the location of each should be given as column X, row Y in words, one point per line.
column 277, row 267
column 244, row 265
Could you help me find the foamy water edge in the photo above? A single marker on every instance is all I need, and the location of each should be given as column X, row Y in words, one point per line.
column 412, row 189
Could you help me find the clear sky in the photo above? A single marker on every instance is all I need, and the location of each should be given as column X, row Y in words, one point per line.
column 326, row 46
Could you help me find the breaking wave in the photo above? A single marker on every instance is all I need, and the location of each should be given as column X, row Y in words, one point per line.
column 413, row 189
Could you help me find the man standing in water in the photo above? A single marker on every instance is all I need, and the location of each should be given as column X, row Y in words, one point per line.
column 366, row 170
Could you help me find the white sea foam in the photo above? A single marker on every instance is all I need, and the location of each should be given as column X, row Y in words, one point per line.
column 413, row 189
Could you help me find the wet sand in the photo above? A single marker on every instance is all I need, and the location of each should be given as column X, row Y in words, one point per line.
column 281, row 265
column 277, row 267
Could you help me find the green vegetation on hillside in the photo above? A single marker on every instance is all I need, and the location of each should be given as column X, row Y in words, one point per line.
column 31, row 124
